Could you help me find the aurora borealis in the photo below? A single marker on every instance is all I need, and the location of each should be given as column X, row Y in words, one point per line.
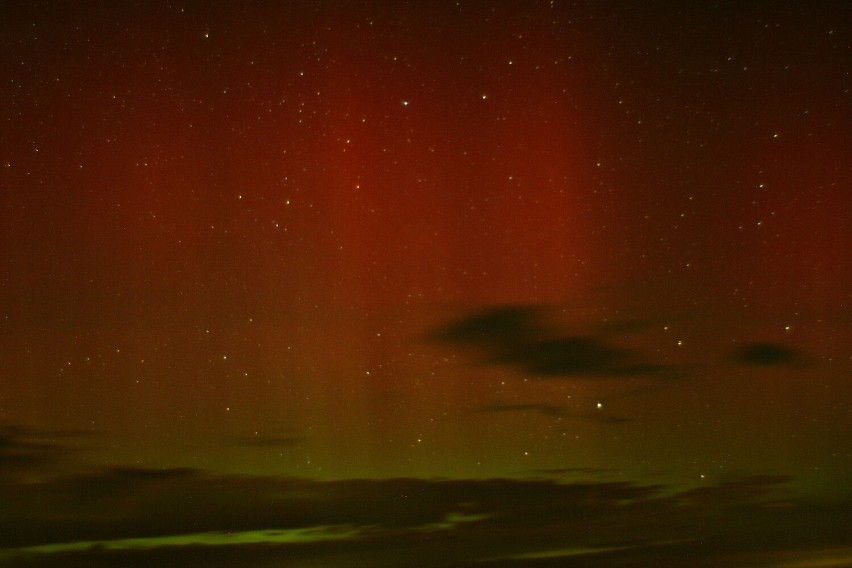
column 426, row 271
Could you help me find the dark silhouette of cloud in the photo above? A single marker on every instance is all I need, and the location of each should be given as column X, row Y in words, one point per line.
column 769, row 354
column 503, row 325
column 566, row 356
column 145, row 475
column 25, row 449
column 137, row 517
column 512, row 335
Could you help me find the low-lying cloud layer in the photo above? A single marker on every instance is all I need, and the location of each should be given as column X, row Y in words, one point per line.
column 136, row 517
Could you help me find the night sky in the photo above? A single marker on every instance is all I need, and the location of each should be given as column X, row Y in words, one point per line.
column 520, row 257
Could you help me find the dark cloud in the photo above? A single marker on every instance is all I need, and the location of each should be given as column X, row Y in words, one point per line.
column 137, row 517
column 24, row 449
column 504, row 325
column 513, row 335
column 612, row 419
column 769, row 354
column 736, row 490
column 145, row 475
column 573, row 356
